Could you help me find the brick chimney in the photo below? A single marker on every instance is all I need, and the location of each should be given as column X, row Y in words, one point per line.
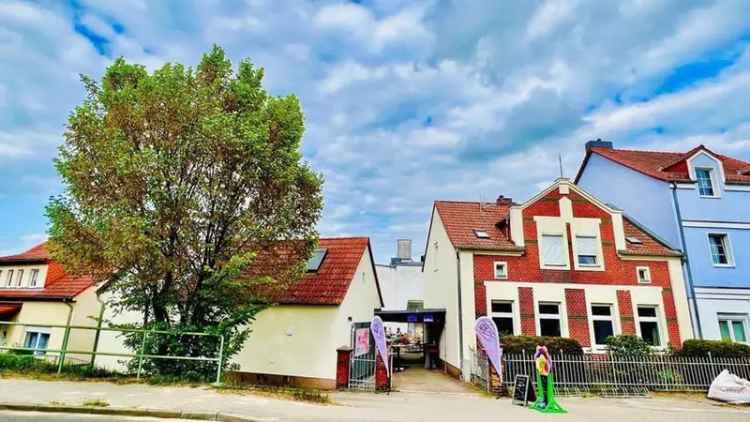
column 598, row 143
column 503, row 201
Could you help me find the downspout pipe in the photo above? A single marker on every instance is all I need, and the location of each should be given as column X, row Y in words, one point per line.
column 460, row 317
column 686, row 263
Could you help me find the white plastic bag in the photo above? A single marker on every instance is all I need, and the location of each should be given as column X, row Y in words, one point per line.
column 730, row 388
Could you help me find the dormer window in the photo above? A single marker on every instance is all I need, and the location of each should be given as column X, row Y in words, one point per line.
column 19, row 278
column 481, row 234
column 34, row 278
column 705, row 181
column 9, row 278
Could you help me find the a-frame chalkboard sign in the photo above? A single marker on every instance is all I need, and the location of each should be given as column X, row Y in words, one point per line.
column 523, row 392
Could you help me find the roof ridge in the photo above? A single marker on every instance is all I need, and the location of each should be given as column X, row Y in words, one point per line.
column 645, row 151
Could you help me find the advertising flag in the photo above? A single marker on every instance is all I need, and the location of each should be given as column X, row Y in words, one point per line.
column 489, row 338
column 378, row 333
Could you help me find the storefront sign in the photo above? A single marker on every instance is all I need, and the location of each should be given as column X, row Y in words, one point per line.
column 361, row 341
column 487, row 334
column 429, row 318
column 378, row 333
column 411, row 318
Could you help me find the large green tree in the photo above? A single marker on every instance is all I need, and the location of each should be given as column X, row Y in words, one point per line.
column 174, row 180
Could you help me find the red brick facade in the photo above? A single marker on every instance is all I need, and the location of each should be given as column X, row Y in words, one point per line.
column 618, row 272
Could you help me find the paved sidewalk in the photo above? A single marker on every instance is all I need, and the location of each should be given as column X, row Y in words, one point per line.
column 403, row 406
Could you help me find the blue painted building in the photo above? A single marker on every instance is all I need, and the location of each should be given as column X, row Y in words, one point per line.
column 698, row 202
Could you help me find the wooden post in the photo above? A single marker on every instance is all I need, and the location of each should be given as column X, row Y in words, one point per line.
column 343, row 362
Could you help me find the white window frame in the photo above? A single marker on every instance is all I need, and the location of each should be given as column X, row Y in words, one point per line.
column 19, row 277
column 728, row 251
column 511, row 314
column 40, row 331
column 500, row 275
column 34, row 278
column 599, row 265
column 647, row 279
column 712, row 177
column 729, row 317
column 558, row 316
column 564, row 264
column 611, row 318
column 9, row 278
column 657, row 319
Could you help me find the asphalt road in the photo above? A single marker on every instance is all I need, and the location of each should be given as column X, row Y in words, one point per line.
column 39, row 416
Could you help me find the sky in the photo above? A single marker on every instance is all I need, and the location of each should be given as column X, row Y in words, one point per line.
column 406, row 102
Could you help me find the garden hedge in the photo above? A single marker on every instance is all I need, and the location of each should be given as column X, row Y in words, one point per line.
column 519, row 344
column 718, row 349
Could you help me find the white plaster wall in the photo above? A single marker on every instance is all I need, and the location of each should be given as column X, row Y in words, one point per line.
column 441, row 286
column 400, row 284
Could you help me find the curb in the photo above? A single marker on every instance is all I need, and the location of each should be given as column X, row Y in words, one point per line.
column 124, row 411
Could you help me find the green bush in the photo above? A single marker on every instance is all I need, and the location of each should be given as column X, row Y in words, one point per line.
column 627, row 345
column 718, row 349
column 519, row 344
column 25, row 363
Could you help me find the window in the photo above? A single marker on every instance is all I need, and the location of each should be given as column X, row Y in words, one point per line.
column 482, row 234
column 37, row 340
column 502, row 314
column 634, row 240
column 705, row 182
column 9, row 278
column 720, row 249
column 501, row 270
column 644, row 275
column 601, row 319
column 552, row 250
column 19, row 278
column 733, row 328
column 649, row 325
column 315, row 261
column 587, row 250
column 414, row 305
column 549, row 319
column 34, row 278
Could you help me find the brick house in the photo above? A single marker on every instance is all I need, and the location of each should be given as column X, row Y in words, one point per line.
column 561, row 264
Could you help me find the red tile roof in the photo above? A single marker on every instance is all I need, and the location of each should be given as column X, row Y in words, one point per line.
column 668, row 166
column 58, row 284
column 460, row 219
column 328, row 285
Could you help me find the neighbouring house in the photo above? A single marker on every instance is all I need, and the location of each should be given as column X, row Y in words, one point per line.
column 402, row 285
column 698, row 202
column 294, row 342
column 36, row 290
column 560, row 264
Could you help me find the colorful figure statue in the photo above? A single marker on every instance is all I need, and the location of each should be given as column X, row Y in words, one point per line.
column 545, row 383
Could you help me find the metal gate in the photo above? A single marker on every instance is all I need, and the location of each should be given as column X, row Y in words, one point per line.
column 362, row 365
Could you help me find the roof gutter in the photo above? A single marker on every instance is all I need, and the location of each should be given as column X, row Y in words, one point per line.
column 460, row 315
column 686, row 263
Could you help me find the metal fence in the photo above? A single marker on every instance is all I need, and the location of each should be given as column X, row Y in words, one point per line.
column 613, row 375
column 60, row 355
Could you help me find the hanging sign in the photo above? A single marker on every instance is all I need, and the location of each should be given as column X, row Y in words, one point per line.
column 361, row 341
column 378, row 333
column 489, row 338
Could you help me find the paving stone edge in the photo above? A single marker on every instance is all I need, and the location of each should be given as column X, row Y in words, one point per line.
column 125, row 411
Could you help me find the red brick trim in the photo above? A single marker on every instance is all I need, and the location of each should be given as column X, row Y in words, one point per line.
column 526, row 306
column 625, row 304
column 670, row 313
column 578, row 322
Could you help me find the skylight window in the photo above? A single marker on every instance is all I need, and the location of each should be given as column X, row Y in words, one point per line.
column 313, row 264
column 481, row 234
column 634, row 240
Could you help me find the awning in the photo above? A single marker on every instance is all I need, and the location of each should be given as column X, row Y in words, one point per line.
column 9, row 310
column 423, row 315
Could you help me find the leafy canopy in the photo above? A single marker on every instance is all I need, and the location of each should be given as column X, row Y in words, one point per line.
column 174, row 180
